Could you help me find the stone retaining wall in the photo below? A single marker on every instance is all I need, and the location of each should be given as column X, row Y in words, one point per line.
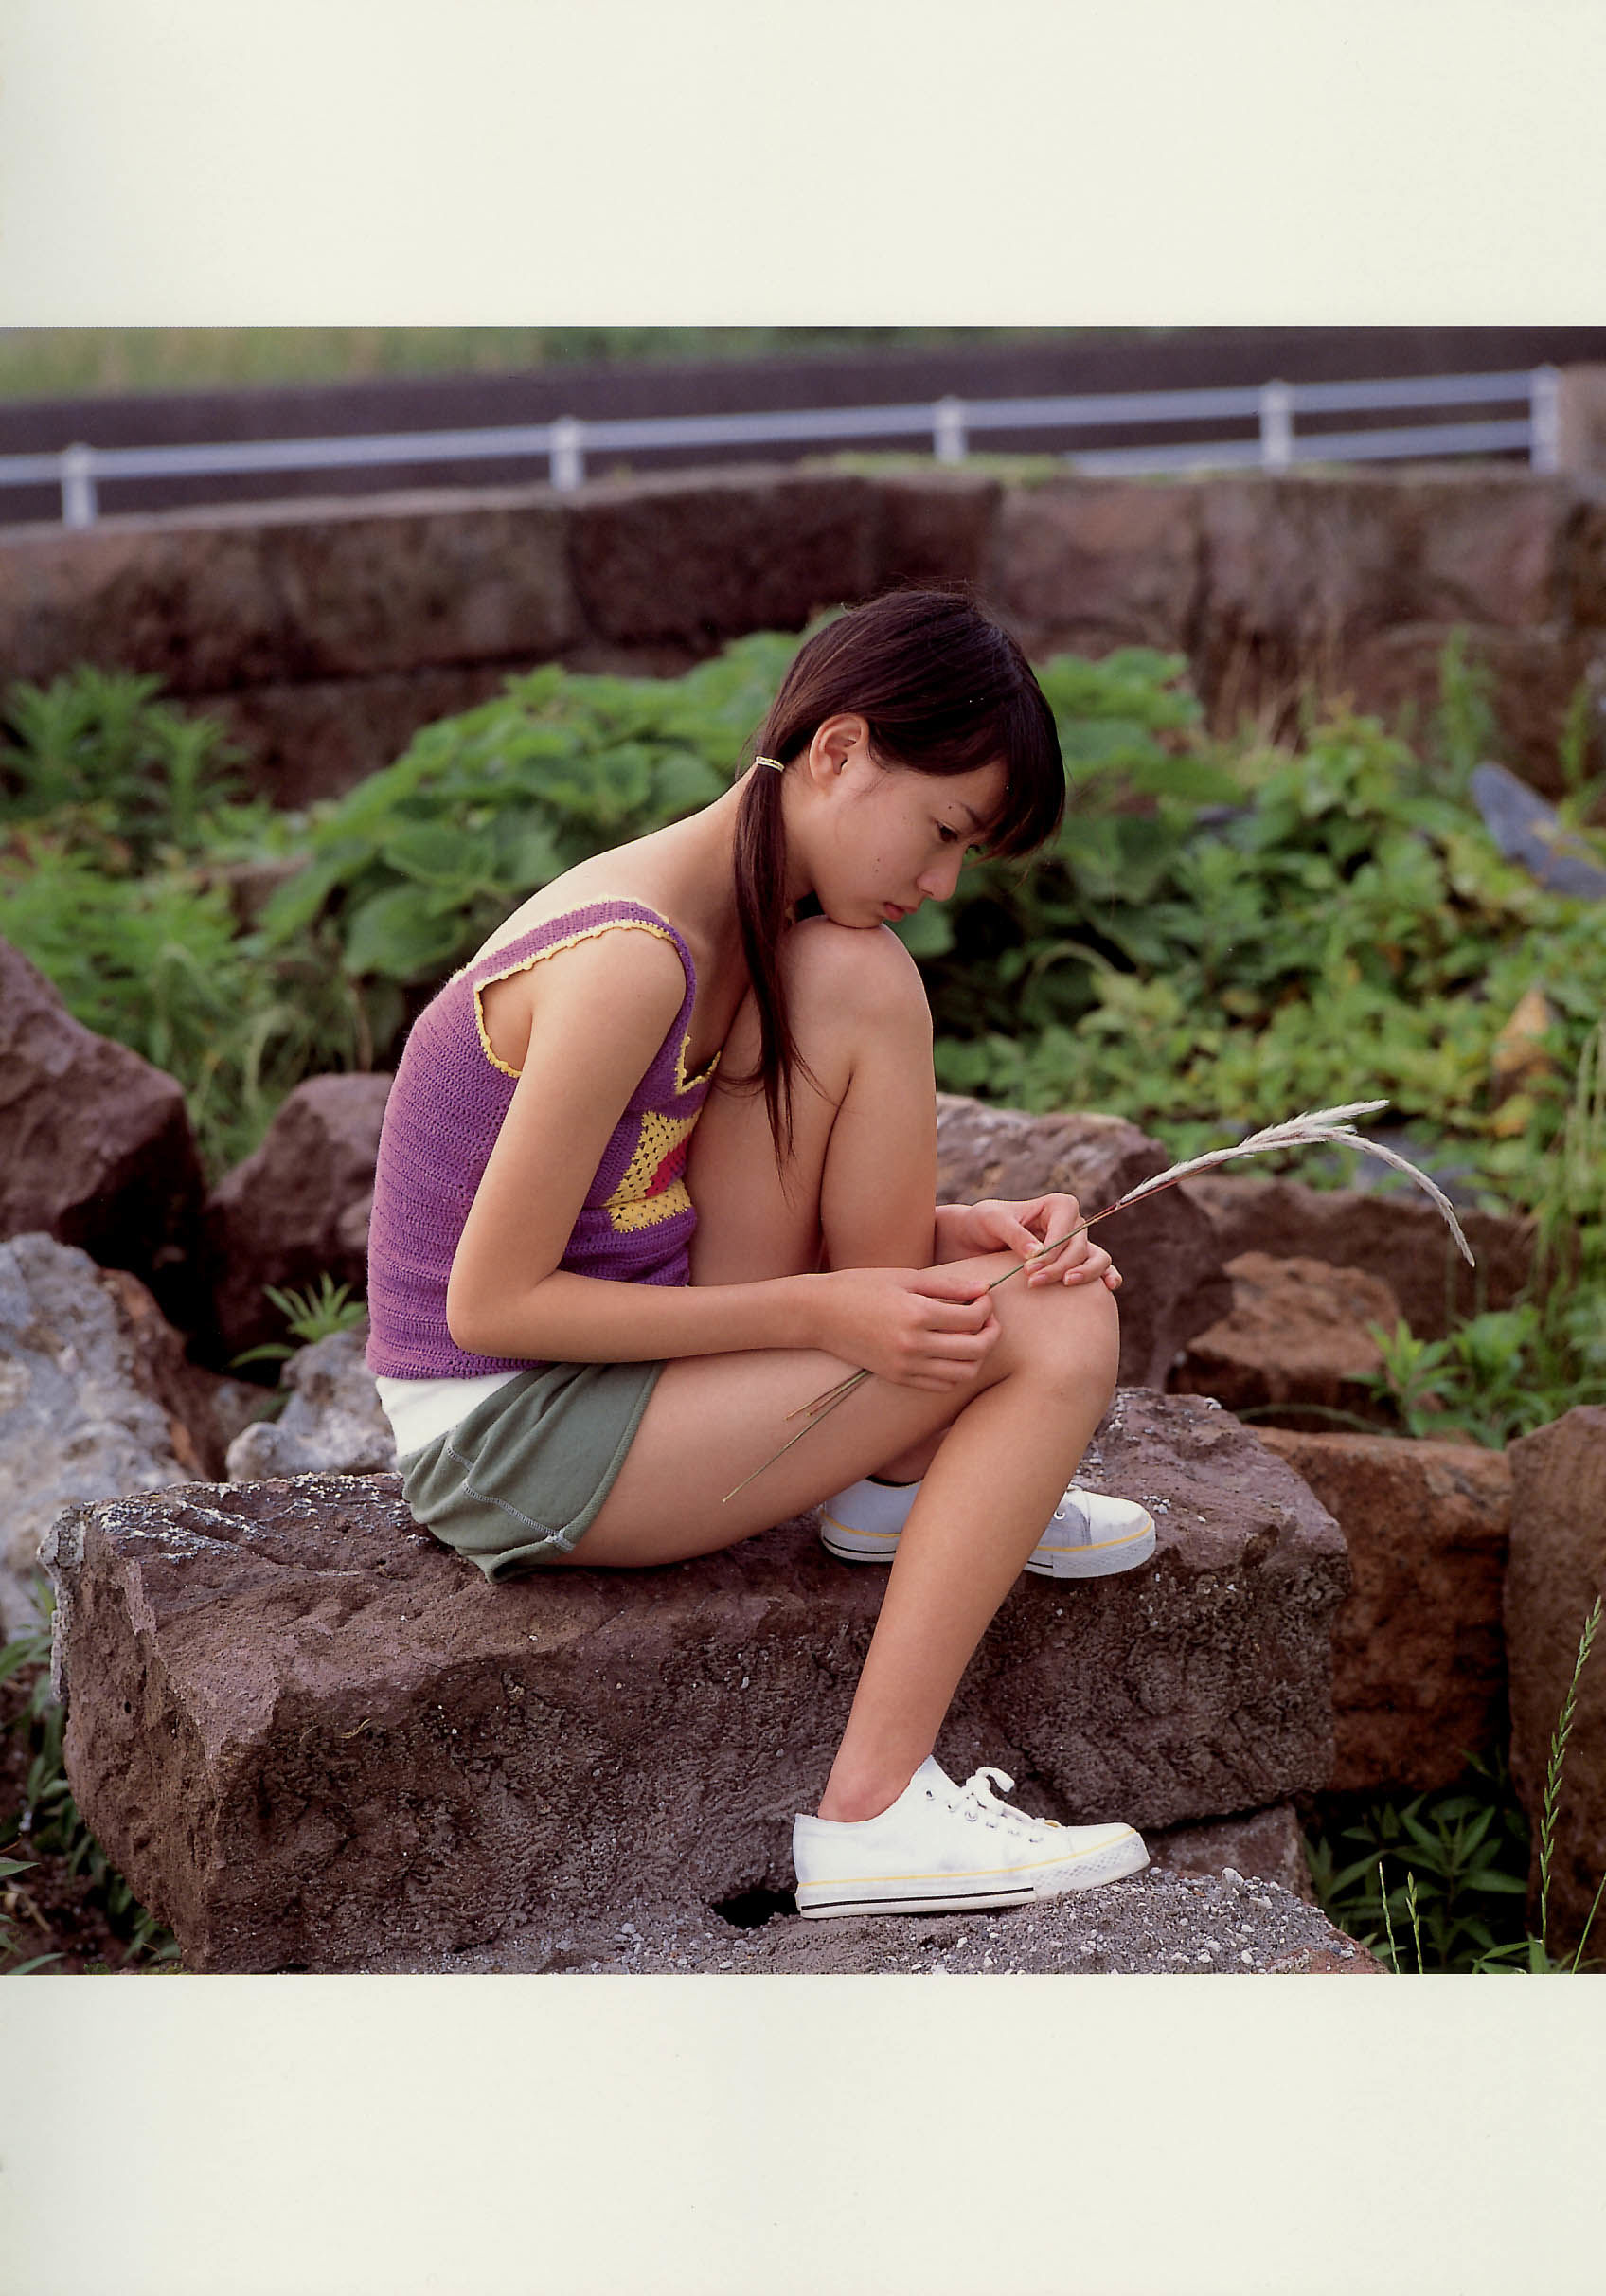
column 324, row 634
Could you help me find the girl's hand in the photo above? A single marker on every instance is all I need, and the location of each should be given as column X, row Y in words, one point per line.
column 917, row 1327
column 996, row 1226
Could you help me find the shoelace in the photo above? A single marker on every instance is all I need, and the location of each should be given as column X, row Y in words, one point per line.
column 978, row 1801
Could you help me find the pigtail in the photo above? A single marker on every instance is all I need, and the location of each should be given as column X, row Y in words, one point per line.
column 760, row 907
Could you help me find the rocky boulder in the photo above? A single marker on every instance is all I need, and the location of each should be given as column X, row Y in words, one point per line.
column 332, row 1425
column 96, row 1148
column 204, row 1411
column 1157, row 1923
column 1557, row 1570
column 298, row 1208
column 1296, row 1334
column 1401, row 1239
column 313, row 1738
column 1259, row 1846
column 79, row 1419
column 1418, row 1659
column 1173, row 1281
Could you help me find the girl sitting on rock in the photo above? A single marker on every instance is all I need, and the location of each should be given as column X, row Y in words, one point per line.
column 601, row 1279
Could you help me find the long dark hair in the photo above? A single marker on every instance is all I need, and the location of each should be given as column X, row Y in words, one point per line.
column 943, row 689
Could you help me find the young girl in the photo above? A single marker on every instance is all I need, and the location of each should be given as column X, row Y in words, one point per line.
column 597, row 1287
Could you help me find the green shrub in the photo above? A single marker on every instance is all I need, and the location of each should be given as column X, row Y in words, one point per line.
column 98, row 748
column 1351, row 928
column 420, row 862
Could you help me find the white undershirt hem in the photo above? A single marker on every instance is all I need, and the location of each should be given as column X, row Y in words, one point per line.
column 420, row 1409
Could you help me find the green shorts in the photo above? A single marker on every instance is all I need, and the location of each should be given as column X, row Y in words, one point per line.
column 520, row 1480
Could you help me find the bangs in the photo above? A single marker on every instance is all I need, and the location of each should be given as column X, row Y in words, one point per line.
column 1034, row 784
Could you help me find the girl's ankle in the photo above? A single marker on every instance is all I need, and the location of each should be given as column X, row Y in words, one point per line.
column 855, row 1804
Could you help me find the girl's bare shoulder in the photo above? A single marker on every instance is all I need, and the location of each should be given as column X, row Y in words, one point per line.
column 589, row 881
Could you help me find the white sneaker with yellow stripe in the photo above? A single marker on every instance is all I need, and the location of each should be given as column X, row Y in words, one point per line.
column 943, row 1848
column 1090, row 1537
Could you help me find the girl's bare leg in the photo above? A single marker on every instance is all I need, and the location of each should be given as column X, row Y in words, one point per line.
column 864, row 1164
column 860, row 1185
column 857, row 1193
column 1014, row 1434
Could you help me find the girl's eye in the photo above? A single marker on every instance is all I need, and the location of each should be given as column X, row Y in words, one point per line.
column 950, row 836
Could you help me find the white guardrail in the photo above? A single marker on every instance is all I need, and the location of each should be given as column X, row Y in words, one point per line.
column 950, row 425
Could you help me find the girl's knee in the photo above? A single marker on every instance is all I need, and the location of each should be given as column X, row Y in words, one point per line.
column 835, row 972
column 1066, row 1336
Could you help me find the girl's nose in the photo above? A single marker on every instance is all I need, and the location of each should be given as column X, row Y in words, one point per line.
column 938, row 882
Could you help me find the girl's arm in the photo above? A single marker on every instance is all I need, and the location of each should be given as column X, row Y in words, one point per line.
column 597, row 1015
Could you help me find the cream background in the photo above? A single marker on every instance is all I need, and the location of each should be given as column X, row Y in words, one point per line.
column 169, row 162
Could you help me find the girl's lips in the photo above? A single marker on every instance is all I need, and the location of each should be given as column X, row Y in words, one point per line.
column 894, row 911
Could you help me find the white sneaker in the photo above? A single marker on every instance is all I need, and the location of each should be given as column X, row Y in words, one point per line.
column 942, row 1848
column 1090, row 1537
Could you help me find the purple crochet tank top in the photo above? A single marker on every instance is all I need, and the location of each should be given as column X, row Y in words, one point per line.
column 446, row 1110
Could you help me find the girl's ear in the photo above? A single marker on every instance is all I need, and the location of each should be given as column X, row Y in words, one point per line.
column 836, row 740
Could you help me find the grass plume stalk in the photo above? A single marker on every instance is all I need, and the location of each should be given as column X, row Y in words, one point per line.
column 1562, row 1732
column 1317, row 1127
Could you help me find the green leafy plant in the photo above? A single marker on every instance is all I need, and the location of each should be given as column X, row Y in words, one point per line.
column 14, row 1962
column 1460, row 1857
column 98, row 750
column 309, row 1316
column 1539, row 1947
column 1582, row 792
column 1348, row 919
column 1458, row 1853
column 1495, row 1377
column 1466, row 731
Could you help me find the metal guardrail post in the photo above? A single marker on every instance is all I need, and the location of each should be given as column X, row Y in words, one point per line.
column 567, row 457
column 1276, row 427
column 80, row 504
column 1544, row 419
column 949, row 442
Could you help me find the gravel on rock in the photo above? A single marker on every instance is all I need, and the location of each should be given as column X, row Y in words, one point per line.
column 1154, row 1924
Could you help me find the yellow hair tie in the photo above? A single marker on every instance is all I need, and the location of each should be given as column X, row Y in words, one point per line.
column 775, row 762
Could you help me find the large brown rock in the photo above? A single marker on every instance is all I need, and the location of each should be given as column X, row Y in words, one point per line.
column 1262, row 1845
column 1399, row 1238
column 1084, row 564
column 1296, row 1334
column 1174, row 1282
column 297, row 1207
column 702, row 559
column 1164, row 1922
column 268, row 592
column 1557, row 1572
column 1418, row 1658
column 95, row 1143
column 204, row 1412
column 311, row 1737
